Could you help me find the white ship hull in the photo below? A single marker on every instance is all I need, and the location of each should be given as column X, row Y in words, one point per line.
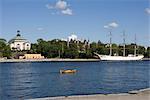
column 120, row 58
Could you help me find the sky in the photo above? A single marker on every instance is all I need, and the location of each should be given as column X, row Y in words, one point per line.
column 88, row 19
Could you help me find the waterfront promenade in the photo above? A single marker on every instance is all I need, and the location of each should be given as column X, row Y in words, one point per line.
column 53, row 60
column 47, row 60
column 132, row 95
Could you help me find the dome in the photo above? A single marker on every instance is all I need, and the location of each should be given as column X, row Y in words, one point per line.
column 18, row 37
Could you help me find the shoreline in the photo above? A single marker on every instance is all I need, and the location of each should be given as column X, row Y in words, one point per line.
column 142, row 94
column 53, row 60
column 146, row 59
column 47, row 60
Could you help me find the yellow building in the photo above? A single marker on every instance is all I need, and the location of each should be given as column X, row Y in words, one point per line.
column 31, row 56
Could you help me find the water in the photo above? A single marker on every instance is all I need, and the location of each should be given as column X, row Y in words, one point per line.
column 42, row 79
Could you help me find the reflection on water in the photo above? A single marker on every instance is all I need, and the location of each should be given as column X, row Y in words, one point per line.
column 32, row 80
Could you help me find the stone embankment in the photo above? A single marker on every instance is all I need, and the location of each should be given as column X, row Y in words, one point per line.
column 47, row 60
column 131, row 95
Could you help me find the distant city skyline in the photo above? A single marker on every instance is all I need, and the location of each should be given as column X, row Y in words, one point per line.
column 88, row 19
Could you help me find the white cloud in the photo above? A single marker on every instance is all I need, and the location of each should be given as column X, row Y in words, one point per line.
column 67, row 11
column 111, row 25
column 60, row 6
column 147, row 10
column 106, row 26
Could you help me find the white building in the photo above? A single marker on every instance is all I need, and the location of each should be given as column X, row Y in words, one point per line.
column 72, row 37
column 19, row 43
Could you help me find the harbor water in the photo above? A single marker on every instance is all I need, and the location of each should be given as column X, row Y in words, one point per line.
column 42, row 79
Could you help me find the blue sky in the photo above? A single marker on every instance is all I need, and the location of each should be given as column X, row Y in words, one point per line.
column 49, row 19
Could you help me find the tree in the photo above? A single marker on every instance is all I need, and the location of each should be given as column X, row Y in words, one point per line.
column 72, row 51
column 3, row 40
column 5, row 50
column 93, row 46
column 78, row 49
column 141, row 50
column 147, row 53
column 33, row 48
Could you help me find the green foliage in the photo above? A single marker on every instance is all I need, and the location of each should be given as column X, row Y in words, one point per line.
column 93, row 46
column 130, row 49
column 77, row 49
column 141, row 50
column 33, row 48
column 4, row 49
column 59, row 49
column 3, row 40
column 147, row 53
column 71, row 51
column 7, row 51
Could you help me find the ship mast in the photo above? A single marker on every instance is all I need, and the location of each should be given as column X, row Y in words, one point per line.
column 110, row 45
column 124, row 52
column 135, row 46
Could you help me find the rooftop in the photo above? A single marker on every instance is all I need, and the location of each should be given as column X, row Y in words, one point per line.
column 18, row 37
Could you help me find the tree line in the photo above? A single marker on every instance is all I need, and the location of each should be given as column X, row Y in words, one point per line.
column 57, row 48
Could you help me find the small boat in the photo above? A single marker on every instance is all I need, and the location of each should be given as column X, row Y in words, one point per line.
column 68, row 71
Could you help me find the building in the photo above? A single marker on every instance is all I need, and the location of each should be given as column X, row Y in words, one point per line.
column 73, row 37
column 31, row 56
column 19, row 43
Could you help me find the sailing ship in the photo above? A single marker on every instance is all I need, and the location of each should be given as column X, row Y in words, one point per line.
column 120, row 58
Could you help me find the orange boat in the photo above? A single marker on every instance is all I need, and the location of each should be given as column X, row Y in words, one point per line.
column 68, row 71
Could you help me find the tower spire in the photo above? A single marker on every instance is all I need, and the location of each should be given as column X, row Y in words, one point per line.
column 18, row 33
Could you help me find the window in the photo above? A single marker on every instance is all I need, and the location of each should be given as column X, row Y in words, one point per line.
column 18, row 47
